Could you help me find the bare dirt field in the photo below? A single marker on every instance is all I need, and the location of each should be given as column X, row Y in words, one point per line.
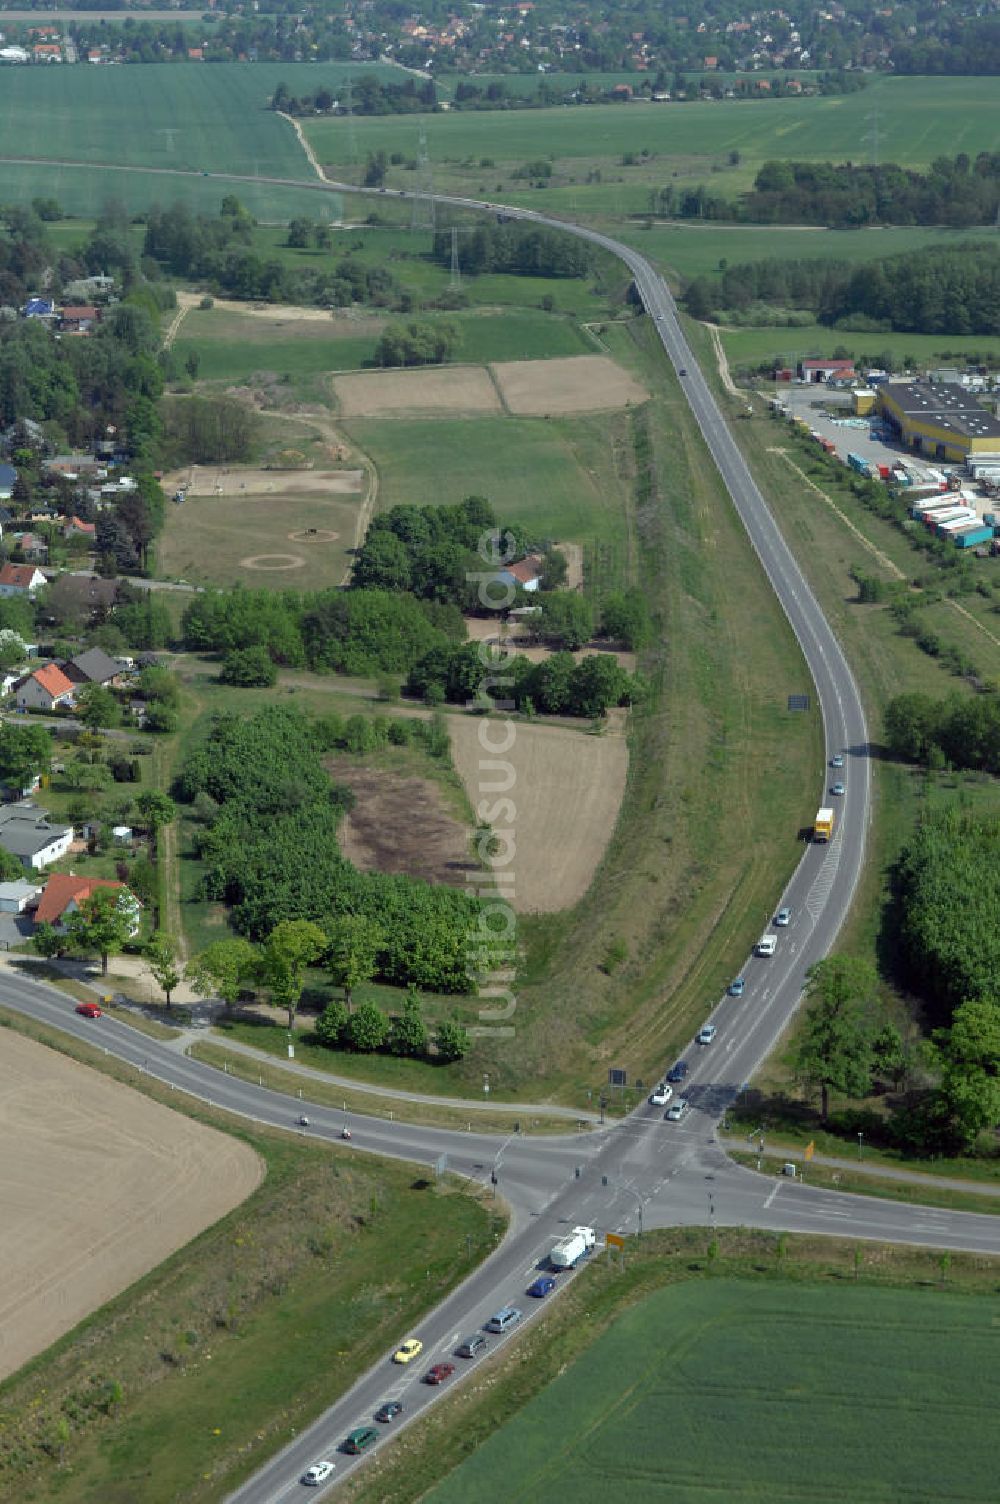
column 401, row 824
column 441, row 389
column 235, row 480
column 258, row 322
column 99, row 1186
column 572, row 384
column 567, row 789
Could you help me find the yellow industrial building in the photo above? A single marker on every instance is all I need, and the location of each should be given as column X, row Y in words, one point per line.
column 938, row 419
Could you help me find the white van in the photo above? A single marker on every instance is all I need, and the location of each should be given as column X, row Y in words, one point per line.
column 504, row 1320
column 767, row 945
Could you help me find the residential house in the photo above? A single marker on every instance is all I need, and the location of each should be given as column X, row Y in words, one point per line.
column 20, row 579
column 93, row 667
column 64, row 894
column 74, row 527
column 45, row 688
column 34, row 548
column 526, row 572
column 79, row 318
column 27, row 833
column 39, row 308
column 8, row 475
column 47, row 52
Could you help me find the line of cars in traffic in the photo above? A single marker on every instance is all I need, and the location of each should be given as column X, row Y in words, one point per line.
column 362, row 1438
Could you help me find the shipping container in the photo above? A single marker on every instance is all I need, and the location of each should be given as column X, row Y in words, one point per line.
column 857, row 463
column 969, row 537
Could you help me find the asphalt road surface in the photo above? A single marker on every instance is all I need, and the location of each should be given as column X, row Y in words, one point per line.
column 644, row 1172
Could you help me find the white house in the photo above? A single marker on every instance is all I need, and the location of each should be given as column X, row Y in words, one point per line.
column 45, row 688
column 26, row 833
column 20, row 579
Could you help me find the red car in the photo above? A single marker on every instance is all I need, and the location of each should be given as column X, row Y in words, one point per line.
column 439, row 1373
column 89, row 1010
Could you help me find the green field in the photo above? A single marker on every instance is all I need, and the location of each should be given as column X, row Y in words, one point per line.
column 555, row 474
column 476, row 152
column 723, row 1392
column 175, row 118
column 512, row 336
column 694, row 249
column 749, row 347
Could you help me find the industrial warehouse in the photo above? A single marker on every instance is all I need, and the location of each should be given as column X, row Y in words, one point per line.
column 939, row 419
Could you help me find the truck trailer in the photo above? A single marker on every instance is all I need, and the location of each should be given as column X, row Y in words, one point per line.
column 823, row 825
column 568, row 1253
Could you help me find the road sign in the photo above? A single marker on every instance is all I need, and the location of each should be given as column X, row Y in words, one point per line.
column 616, row 1076
column 612, row 1240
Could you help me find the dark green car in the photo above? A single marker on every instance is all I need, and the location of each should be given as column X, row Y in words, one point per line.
column 361, row 1439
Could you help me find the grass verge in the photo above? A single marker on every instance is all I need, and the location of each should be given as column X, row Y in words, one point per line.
column 868, row 1183
column 623, row 1343
column 185, row 1383
column 355, row 1099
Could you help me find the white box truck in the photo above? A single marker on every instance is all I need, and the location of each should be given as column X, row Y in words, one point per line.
column 568, row 1253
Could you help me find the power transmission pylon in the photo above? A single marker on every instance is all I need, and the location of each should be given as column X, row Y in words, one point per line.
column 352, row 147
column 423, row 199
column 456, row 275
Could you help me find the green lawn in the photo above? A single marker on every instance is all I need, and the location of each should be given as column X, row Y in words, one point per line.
column 288, row 360
column 556, row 474
column 737, row 1393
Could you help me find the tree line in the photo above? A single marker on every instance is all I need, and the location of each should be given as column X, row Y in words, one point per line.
column 368, row 96
column 959, row 731
column 956, row 191
column 330, row 631
column 267, row 845
column 935, row 290
column 517, row 249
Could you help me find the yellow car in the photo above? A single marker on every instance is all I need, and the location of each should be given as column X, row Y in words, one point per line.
column 410, row 1349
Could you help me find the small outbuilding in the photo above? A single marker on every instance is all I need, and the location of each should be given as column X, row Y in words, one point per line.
column 16, row 896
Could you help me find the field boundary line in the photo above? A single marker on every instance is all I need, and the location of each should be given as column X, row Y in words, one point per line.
column 491, row 373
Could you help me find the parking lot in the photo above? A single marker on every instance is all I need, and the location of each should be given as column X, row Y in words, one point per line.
column 813, row 403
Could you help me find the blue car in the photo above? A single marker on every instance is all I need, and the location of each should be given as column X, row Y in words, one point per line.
column 542, row 1287
column 736, row 989
column 678, row 1072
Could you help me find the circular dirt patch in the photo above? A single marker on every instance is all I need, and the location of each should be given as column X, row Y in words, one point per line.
column 314, row 535
column 273, row 561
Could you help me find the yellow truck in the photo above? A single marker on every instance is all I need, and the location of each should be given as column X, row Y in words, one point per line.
column 823, row 825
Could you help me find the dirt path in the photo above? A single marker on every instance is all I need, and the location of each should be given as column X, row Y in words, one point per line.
column 310, row 154
column 876, row 553
column 185, row 302
column 722, row 362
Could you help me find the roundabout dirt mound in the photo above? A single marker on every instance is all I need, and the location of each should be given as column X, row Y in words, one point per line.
column 273, row 561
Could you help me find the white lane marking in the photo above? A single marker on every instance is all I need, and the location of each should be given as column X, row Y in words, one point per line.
column 770, row 1199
